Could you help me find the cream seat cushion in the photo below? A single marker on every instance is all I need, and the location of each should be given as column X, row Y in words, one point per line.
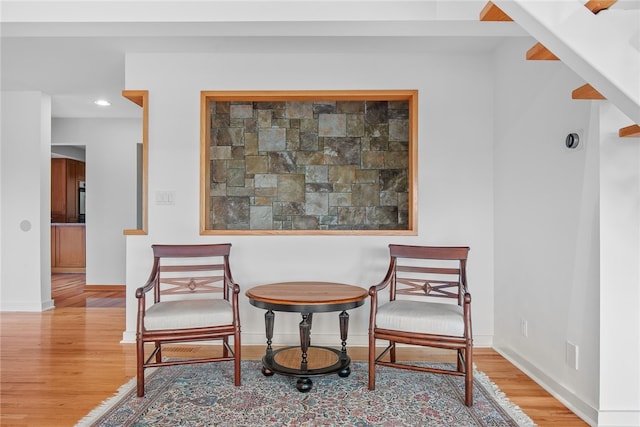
column 421, row 317
column 195, row 313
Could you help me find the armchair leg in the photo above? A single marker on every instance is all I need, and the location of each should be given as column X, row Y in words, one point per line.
column 140, row 367
column 468, row 377
column 238, row 358
column 372, row 362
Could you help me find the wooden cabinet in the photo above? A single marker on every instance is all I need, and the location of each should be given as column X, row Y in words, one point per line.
column 58, row 191
column 66, row 175
column 68, row 248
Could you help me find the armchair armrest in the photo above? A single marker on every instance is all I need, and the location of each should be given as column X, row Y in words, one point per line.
column 141, row 291
column 141, row 294
column 233, row 286
column 373, row 290
column 373, row 293
column 151, row 281
column 149, row 285
column 466, row 307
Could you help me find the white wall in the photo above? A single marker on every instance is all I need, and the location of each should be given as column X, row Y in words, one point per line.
column 111, row 189
column 25, row 240
column 546, row 225
column 619, row 273
column 455, row 174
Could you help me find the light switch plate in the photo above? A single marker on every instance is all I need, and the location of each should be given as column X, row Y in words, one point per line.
column 164, row 197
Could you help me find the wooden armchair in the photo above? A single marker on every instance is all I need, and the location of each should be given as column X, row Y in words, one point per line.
column 194, row 299
column 418, row 282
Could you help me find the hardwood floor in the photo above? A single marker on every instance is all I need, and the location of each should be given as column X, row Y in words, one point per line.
column 68, row 290
column 58, row 365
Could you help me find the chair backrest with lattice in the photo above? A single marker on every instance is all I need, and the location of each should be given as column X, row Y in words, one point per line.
column 191, row 271
column 428, row 271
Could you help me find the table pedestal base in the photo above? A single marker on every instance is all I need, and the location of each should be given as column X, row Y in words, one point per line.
column 306, row 298
column 320, row 361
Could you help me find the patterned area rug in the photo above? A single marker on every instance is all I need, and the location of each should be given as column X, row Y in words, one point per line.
column 204, row 395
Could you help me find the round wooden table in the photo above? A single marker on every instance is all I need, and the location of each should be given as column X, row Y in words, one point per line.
column 306, row 298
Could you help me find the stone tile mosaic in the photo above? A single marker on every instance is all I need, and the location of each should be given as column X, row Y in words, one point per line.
column 309, row 165
column 332, row 125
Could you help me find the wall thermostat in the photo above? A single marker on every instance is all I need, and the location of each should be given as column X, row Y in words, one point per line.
column 572, row 140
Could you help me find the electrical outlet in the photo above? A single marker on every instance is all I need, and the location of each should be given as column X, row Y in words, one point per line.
column 571, row 355
column 524, row 328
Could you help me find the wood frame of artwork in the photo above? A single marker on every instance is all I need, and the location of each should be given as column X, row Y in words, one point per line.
column 308, row 162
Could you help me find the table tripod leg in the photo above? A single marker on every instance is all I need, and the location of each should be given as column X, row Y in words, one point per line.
column 304, row 384
column 344, row 329
column 305, row 339
column 269, row 318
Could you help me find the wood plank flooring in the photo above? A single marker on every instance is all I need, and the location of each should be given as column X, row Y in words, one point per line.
column 67, row 290
column 58, row 365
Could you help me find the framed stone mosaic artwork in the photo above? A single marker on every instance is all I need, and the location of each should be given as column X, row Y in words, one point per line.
column 309, row 162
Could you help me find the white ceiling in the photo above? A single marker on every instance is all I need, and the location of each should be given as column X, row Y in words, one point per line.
column 76, row 53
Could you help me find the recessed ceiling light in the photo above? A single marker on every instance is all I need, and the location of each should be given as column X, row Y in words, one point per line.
column 102, row 102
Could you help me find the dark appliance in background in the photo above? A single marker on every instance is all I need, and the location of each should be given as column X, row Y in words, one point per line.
column 81, row 201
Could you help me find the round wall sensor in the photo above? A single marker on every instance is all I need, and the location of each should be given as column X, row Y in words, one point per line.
column 572, row 140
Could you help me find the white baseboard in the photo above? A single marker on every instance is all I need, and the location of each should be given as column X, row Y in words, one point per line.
column 48, row 305
column 128, row 337
column 619, row 419
column 26, row 306
column 582, row 409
